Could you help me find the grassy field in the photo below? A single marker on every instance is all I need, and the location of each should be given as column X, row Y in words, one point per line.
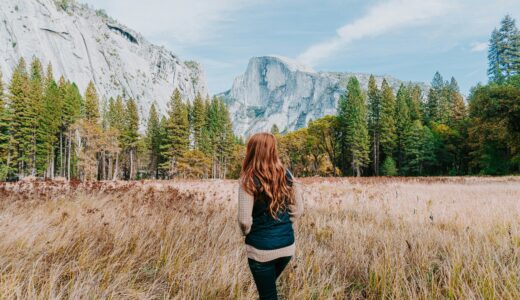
column 416, row 238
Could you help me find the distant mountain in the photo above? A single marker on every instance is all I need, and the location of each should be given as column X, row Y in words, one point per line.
column 83, row 45
column 277, row 90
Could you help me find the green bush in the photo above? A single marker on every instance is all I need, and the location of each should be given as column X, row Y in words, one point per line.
column 389, row 168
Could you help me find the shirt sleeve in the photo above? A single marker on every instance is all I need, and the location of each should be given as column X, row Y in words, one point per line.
column 245, row 210
column 296, row 209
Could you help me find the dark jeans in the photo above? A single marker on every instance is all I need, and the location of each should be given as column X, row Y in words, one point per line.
column 265, row 275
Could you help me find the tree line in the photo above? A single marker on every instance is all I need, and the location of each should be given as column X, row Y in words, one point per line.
column 49, row 129
column 403, row 132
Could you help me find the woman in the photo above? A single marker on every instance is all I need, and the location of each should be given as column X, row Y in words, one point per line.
column 269, row 200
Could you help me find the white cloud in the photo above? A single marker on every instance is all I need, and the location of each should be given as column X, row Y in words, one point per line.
column 479, row 46
column 381, row 18
column 182, row 22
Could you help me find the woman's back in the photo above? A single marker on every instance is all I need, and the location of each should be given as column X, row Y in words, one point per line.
column 269, row 200
column 267, row 232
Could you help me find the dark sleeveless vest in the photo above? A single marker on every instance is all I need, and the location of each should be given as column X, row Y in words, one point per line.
column 267, row 233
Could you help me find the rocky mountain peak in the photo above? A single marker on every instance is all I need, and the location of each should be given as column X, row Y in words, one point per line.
column 278, row 90
column 84, row 44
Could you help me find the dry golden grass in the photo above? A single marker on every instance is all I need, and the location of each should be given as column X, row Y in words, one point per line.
column 359, row 238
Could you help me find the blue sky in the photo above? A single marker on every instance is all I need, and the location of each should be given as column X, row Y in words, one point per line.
column 408, row 39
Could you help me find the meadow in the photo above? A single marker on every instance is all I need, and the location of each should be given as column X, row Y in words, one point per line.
column 392, row 238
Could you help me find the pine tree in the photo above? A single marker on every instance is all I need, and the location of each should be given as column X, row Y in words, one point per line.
column 225, row 140
column 457, row 145
column 494, row 58
column 162, row 142
column 177, row 129
column 71, row 100
column 189, row 108
column 19, row 90
column 403, row 120
column 49, row 76
column 374, row 121
column 153, row 140
column 48, row 124
column 2, row 95
column 504, row 51
column 110, row 141
column 116, row 114
column 4, row 133
column 72, row 103
column 436, row 100
column 48, row 128
column 116, row 121
column 75, row 106
column 428, row 150
column 131, row 135
column 90, row 145
column 415, row 104
column 205, row 135
column 91, row 104
column 34, row 112
column 342, row 144
column 515, row 53
column 418, row 149
column 3, row 110
column 198, row 121
column 509, row 47
column 217, row 138
column 387, row 120
column 458, row 107
column 357, row 128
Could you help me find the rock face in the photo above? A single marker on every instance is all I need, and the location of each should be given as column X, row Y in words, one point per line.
column 83, row 45
column 276, row 90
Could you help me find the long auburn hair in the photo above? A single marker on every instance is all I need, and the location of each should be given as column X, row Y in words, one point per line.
column 263, row 163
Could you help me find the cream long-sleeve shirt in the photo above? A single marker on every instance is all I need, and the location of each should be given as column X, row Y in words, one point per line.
column 245, row 221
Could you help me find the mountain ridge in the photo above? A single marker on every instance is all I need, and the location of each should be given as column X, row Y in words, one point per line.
column 83, row 44
column 275, row 90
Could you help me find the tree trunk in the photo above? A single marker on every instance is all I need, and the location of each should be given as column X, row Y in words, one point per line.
column 8, row 159
column 116, row 169
column 214, row 171
column 53, row 158
column 153, row 172
column 21, row 167
column 332, row 157
column 170, row 175
column 61, row 154
column 131, row 164
column 68, row 157
column 110, row 165
column 47, row 169
column 378, row 154
column 103, row 167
